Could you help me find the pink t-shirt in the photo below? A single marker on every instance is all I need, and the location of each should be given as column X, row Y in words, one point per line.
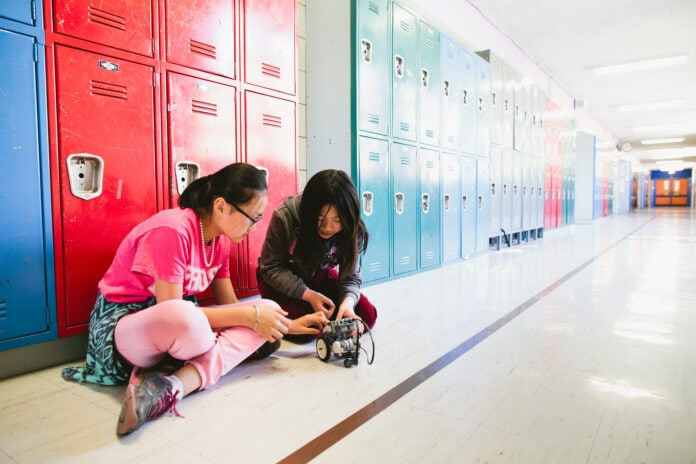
column 166, row 246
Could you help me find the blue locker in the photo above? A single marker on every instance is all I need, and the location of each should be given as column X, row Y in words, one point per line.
column 451, row 207
column 373, row 66
column 483, row 106
column 27, row 292
column 483, row 210
column 373, row 184
column 468, row 102
column 405, row 74
column 21, row 11
column 404, row 200
column 495, row 172
column 469, row 206
column 429, row 177
column 429, row 77
column 450, row 64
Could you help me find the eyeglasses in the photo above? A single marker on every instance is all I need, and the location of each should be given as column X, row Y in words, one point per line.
column 253, row 220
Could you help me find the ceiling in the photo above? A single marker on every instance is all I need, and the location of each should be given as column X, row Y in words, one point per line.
column 570, row 37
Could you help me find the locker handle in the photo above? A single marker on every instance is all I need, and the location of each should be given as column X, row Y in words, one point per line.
column 399, row 203
column 366, row 47
column 186, row 172
column 86, row 175
column 524, row 191
column 480, row 202
column 446, row 88
column 425, row 78
column 425, row 203
column 465, row 203
column 493, row 98
column 368, row 200
column 480, row 104
column 446, row 202
column 493, row 189
column 465, row 97
column 398, row 66
column 514, row 190
column 504, row 190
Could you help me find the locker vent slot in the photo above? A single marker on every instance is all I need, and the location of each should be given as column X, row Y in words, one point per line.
column 105, row 18
column 270, row 70
column 202, row 107
column 429, row 42
column 405, row 260
column 430, row 255
column 404, row 126
column 405, row 26
column 375, row 267
column 405, row 161
column 203, row 49
column 108, row 90
column 374, row 8
column 429, row 133
column 373, row 118
column 429, row 164
column 3, row 310
column 271, row 120
column 374, row 156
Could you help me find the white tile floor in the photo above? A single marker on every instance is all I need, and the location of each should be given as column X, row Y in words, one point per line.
column 599, row 366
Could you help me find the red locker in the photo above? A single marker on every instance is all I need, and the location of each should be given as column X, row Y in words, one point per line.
column 558, row 189
column 269, row 44
column 205, row 40
column 105, row 179
column 123, row 24
column 270, row 144
column 548, row 194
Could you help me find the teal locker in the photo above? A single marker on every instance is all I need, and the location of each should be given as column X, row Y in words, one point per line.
column 429, row 78
column 469, row 206
column 495, row 173
column 450, row 88
column 451, row 207
column 404, row 207
column 429, row 176
column 483, row 106
column 373, row 183
column 516, row 192
column 482, row 205
column 373, row 66
column 405, row 74
column 468, row 102
column 506, row 191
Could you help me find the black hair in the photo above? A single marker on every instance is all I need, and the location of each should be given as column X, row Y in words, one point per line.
column 236, row 183
column 334, row 188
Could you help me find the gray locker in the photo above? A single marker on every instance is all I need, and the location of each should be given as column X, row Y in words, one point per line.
column 495, row 172
column 516, row 192
column 506, row 191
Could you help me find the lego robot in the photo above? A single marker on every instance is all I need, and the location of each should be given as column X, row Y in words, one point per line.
column 342, row 338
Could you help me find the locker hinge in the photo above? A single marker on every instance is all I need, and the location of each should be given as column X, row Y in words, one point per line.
column 33, row 10
column 36, row 52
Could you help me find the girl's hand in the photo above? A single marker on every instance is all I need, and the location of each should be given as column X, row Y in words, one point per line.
column 273, row 323
column 345, row 310
column 319, row 302
column 308, row 324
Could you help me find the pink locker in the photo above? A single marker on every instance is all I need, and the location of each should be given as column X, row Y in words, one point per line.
column 204, row 40
column 105, row 173
column 123, row 24
column 558, row 188
column 270, row 144
column 548, row 187
column 269, row 44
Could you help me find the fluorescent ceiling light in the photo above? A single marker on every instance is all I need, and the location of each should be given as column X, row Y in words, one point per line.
column 652, row 105
column 667, row 157
column 658, row 127
column 679, row 151
column 640, row 65
column 658, row 141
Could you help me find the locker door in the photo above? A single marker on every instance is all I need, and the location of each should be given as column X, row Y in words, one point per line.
column 548, row 197
column 429, row 176
column 122, row 24
column 270, row 142
column 483, row 106
column 205, row 40
column 496, row 100
column 24, row 290
column 468, row 103
column 373, row 184
column 269, row 44
column 450, row 87
column 405, row 74
column 482, row 205
column 507, row 111
column 18, row 10
column 452, row 207
column 207, row 110
column 525, row 193
column 469, row 203
column 539, row 186
column 106, row 160
column 373, row 66
column 506, row 191
column 516, row 191
column 495, row 191
column 429, row 78
column 404, row 208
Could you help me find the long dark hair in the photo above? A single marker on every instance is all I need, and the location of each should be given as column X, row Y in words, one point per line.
column 331, row 187
column 237, row 183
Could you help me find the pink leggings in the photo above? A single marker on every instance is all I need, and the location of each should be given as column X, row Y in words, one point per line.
column 180, row 329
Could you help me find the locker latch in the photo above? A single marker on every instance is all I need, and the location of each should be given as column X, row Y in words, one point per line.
column 86, row 175
column 465, row 203
column 480, row 202
column 425, row 78
column 446, row 202
column 366, row 48
column 425, row 202
column 399, row 202
column 186, row 172
column 368, row 199
column 398, row 66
